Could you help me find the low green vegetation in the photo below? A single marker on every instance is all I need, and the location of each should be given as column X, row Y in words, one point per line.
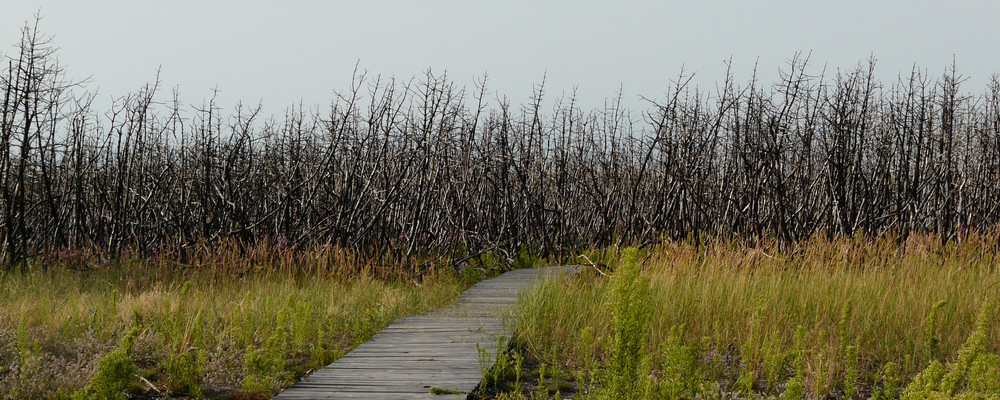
column 226, row 323
column 115, row 372
column 860, row 317
column 441, row 391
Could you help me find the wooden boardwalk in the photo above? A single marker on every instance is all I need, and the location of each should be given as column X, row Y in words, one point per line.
column 433, row 350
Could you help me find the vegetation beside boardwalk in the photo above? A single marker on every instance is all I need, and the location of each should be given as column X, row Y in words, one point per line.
column 199, row 251
column 228, row 322
column 858, row 317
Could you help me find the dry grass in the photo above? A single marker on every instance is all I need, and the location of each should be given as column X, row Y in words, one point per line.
column 298, row 309
column 862, row 303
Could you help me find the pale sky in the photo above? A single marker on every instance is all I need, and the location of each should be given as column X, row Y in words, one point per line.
column 283, row 52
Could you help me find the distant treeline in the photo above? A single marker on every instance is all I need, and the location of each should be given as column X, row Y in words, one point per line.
column 426, row 165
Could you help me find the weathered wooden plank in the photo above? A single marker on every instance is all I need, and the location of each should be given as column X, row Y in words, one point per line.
column 433, row 350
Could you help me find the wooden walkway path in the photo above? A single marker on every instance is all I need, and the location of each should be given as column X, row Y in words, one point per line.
column 433, row 350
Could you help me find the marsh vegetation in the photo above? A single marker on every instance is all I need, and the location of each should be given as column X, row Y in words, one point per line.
column 847, row 318
column 824, row 235
column 228, row 323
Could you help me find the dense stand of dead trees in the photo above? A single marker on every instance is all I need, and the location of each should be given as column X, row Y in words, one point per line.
column 407, row 166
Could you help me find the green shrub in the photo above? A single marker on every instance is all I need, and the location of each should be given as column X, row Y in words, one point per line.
column 927, row 382
column 932, row 342
column 974, row 374
column 774, row 362
column 318, row 352
column 852, row 372
column 264, row 366
column 680, row 373
column 185, row 370
column 28, row 352
column 115, row 372
column 825, row 365
column 984, row 375
column 844, row 325
column 495, row 367
column 747, row 374
column 889, row 380
column 795, row 388
column 631, row 307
